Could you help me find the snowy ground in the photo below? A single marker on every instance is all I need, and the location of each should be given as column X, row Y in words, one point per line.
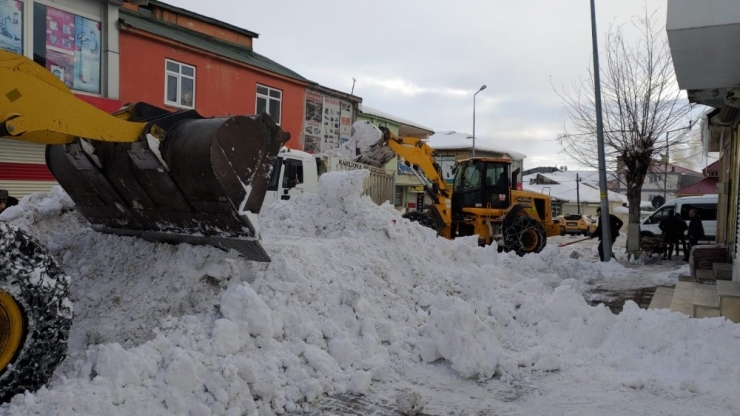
column 358, row 309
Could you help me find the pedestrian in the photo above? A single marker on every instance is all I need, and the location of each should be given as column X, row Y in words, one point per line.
column 614, row 225
column 671, row 227
column 6, row 200
column 682, row 227
column 694, row 233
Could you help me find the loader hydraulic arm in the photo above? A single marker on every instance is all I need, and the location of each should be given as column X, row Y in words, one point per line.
column 419, row 155
column 36, row 106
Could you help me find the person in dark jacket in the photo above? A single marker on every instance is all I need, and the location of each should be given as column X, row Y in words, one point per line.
column 671, row 226
column 681, row 235
column 614, row 225
column 694, row 233
column 6, row 200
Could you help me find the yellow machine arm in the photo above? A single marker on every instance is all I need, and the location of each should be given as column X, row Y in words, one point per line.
column 193, row 183
column 417, row 154
column 35, row 106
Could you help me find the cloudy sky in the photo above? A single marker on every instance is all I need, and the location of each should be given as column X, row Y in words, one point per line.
column 423, row 60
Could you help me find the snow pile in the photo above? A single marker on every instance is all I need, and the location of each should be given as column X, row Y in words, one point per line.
column 353, row 295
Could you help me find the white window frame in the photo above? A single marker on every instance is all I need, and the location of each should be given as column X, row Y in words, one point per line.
column 268, row 97
column 179, row 75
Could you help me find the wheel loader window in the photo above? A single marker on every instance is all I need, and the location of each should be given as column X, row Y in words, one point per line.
column 179, row 84
column 269, row 100
column 468, row 177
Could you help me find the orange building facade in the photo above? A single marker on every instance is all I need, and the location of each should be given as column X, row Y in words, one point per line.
column 172, row 59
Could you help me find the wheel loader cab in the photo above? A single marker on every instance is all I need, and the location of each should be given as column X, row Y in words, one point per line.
column 481, row 183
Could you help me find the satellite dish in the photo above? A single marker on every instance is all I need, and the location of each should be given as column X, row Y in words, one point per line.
column 658, row 201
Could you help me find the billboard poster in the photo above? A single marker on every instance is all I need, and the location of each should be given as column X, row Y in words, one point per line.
column 330, row 139
column 87, row 55
column 11, row 26
column 60, row 44
column 60, row 30
column 61, row 64
column 345, row 123
column 312, row 123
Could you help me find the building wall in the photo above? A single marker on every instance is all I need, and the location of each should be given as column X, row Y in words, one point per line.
column 222, row 87
column 22, row 165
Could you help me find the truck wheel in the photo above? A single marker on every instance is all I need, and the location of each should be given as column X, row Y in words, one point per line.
column 35, row 313
column 422, row 218
column 525, row 235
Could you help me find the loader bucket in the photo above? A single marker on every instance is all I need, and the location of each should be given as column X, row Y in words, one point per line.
column 194, row 186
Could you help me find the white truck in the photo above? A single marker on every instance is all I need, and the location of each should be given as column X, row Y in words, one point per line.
column 296, row 172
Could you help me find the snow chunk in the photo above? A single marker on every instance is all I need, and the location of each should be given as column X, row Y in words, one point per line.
column 461, row 338
column 241, row 304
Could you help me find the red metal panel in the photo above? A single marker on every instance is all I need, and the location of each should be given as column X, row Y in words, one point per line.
column 24, row 172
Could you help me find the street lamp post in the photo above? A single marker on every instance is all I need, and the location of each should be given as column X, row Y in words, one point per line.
column 483, row 87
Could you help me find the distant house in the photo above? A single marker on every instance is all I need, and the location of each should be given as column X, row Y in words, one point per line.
column 662, row 182
column 706, row 186
column 573, row 192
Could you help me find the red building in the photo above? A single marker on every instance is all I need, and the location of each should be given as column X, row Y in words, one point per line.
column 110, row 52
column 176, row 59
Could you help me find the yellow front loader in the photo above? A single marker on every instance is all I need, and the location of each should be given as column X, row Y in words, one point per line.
column 143, row 171
column 483, row 199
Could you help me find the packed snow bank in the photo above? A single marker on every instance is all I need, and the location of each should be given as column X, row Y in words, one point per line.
column 353, row 292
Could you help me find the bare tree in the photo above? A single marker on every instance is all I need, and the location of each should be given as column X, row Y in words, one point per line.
column 644, row 112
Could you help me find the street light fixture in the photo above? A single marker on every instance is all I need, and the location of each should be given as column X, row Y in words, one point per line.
column 483, row 87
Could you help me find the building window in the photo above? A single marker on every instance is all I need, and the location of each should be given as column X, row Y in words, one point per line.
column 11, row 26
column 68, row 45
column 179, row 88
column 269, row 101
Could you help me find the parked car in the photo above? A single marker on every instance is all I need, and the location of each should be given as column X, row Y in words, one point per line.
column 577, row 224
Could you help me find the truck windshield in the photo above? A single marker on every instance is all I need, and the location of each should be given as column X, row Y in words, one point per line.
column 275, row 175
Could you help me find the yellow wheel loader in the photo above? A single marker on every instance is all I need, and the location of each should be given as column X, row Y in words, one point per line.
column 481, row 201
column 142, row 171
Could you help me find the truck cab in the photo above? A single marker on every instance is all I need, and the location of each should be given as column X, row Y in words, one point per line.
column 294, row 173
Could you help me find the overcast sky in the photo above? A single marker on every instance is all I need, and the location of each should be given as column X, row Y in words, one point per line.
column 423, row 60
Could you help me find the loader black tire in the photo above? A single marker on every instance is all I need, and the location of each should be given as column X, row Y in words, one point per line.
column 35, row 313
column 524, row 235
column 422, row 218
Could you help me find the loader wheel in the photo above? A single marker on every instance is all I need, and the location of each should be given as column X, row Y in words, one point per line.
column 422, row 218
column 35, row 313
column 524, row 235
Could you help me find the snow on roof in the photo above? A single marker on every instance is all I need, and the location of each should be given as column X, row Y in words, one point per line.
column 564, row 187
column 449, row 140
column 377, row 113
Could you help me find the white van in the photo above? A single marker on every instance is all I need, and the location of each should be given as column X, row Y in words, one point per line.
column 705, row 206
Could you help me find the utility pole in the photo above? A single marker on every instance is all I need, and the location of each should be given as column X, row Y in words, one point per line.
column 606, row 236
column 665, row 173
column 578, row 192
